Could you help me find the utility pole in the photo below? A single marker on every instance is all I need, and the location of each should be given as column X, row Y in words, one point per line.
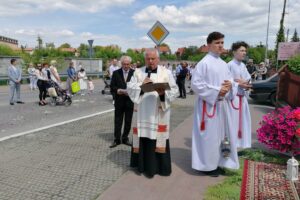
column 287, row 35
column 280, row 34
column 267, row 38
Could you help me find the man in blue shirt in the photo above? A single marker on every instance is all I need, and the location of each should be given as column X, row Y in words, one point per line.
column 71, row 77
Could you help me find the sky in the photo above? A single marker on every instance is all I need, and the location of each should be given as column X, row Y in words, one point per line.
column 126, row 22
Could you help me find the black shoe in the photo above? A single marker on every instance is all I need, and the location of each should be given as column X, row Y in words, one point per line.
column 148, row 175
column 20, row 102
column 184, row 97
column 126, row 142
column 179, row 97
column 114, row 144
column 12, row 104
column 213, row 173
column 221, row 171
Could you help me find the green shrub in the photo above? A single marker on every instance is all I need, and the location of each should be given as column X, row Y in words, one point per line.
column 294, row 65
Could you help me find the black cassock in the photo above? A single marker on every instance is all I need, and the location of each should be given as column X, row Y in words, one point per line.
column 149, row 162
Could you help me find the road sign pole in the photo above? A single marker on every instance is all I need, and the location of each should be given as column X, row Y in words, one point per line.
column 90, row 52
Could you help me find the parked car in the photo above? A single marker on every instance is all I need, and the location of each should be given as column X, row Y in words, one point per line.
column 265, row 90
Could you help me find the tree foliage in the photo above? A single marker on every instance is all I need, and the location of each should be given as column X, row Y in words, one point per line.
column 189, row 51
column 65, row 45
column 136, row 56
column 295, row 37
column 7, row 51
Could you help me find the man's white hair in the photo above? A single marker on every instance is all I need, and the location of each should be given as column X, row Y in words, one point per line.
column 151, row 50
column 123, row 58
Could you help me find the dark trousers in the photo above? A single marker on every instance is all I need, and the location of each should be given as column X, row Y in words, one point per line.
column 181, row 85
column 124, row 109
column 42, row 85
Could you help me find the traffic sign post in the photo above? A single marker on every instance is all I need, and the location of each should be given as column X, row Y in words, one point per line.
column 158, row 33
column 90, row 51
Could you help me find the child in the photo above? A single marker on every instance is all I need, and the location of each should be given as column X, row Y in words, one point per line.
column 91, row 86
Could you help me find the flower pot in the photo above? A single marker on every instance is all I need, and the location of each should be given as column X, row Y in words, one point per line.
column 288, row 88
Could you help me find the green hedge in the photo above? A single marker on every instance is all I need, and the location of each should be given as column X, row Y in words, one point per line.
column 294, row 65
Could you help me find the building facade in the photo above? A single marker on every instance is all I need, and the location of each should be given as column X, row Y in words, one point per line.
column 12, row 43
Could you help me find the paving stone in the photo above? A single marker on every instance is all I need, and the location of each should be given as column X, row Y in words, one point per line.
column 71, row 161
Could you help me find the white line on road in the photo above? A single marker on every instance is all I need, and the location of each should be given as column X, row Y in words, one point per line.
column 53, row 125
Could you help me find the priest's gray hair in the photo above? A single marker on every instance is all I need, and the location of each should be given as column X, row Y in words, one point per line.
column 123, row 58
column 151, row 50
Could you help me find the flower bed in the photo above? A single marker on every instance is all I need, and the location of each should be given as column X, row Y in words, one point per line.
column 280, row 130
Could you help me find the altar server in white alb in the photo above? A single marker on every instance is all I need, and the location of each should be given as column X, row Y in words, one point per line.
column 240, row 103
column 215, row 88
column 151, row 117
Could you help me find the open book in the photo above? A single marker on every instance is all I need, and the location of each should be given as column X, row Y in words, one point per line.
column 150, row 87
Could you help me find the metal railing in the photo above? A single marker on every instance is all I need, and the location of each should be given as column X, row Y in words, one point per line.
column 62, row 75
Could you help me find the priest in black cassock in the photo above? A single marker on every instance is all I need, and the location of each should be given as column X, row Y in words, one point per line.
column 151, row 117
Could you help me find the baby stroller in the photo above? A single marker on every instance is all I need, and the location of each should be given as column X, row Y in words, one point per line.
column 106, row 89
column 58, row 96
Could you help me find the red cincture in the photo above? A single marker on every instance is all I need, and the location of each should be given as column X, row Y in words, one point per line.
column 240, row 114
column 204, row 112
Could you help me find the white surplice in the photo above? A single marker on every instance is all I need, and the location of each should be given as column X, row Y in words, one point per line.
column 239, row 71
column 151, row 111
column 208, row 76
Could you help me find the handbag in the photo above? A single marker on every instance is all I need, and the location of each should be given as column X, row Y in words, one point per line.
column 52, row 92
column 75, row 87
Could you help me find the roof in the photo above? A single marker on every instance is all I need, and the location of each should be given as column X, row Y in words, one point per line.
column 72, row 50
column 180, row 51
column 164, row 49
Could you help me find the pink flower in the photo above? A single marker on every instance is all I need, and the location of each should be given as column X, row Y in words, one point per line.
column 298, row 132
column 278, row 130
column 297, row 114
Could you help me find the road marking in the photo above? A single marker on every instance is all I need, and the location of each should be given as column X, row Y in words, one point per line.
column 53, row 125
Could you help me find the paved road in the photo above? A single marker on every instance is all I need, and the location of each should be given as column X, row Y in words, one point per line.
column 20, row 118
column 71, row 161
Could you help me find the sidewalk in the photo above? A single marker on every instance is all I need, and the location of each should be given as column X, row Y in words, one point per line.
column 71, row 161
column 184, row 182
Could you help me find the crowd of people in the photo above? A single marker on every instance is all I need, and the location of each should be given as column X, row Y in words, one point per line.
column 222, row 121
column 257, row 72
column 221, row 98
column 43, row 76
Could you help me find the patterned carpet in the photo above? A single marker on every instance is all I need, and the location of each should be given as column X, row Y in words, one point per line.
column 265, row 181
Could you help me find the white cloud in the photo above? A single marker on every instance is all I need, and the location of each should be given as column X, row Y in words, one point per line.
column 64, row 33
column 86, row 34
column 21, row 7
column 237, row 18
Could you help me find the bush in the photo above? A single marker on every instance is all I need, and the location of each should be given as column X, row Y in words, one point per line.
column 294, row 65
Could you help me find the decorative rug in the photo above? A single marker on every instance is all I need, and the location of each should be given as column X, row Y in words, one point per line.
column 265, row 181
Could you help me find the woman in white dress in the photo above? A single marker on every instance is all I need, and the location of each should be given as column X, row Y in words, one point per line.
column 82, row 81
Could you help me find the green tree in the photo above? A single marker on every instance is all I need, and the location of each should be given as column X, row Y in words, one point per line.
column 136, row 56
column 65, row 45
column 50, row 45
column 256, row 54
column 295, row 37
column 189, row 51
column 107, row 53
column 7, row 51
column 83, row 50
column 197, row 57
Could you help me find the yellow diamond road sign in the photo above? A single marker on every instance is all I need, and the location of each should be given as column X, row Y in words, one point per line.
column 158, row 33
